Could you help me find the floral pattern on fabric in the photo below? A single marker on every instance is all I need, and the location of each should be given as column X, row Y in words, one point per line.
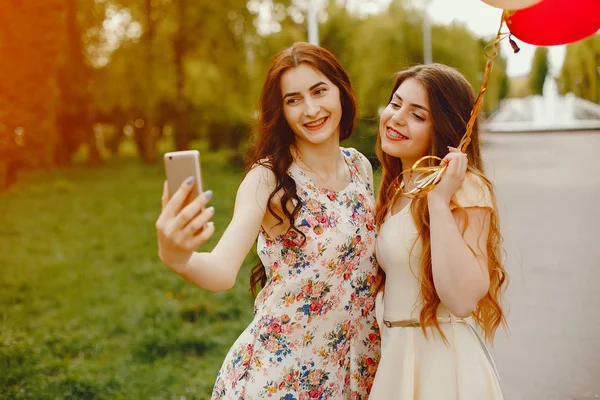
column 314, row 334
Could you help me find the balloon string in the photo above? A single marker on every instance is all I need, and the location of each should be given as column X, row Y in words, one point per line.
column 477, row 107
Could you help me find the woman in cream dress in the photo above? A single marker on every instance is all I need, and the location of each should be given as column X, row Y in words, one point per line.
column 440, row 253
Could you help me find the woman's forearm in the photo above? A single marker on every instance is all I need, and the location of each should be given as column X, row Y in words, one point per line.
column 210, row 272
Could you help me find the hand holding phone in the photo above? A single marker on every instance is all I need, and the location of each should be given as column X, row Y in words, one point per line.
column 183, row 224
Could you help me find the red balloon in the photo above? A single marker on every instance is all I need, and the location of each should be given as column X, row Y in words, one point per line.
column 554, row 22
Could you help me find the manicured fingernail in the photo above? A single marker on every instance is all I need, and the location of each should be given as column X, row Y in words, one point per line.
column 210, row 210
column 189, row 180
column 210, row 223
column 208, row 194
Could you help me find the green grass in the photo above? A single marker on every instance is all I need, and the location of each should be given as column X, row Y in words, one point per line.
column 87, row 311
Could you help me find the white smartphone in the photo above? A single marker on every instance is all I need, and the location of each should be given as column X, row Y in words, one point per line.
column 179, row 166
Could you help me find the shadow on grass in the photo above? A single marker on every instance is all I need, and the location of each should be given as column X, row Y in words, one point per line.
column 158, row 345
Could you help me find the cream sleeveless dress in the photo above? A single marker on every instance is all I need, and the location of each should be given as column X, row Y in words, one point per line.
column 412, row 366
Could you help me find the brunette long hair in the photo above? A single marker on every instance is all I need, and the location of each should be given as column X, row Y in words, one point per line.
column 272, row 147
column 450, row 100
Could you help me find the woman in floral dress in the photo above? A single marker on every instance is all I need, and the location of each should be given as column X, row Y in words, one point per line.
column 311, row 204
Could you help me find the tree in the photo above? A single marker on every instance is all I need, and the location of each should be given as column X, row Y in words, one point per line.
column 539, row 71
column 217, row 69
column 336, row 33
column 32, row 36
column 147, row 141
column 75, row 108
column 504, row 87
column 580, row 72
column 382, row 45
column 181, row 48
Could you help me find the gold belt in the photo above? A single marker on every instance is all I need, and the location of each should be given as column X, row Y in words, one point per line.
column 415, row 323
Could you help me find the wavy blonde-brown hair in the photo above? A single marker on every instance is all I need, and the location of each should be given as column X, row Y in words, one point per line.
column 450, row 100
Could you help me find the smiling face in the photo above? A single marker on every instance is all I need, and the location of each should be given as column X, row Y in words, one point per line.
column 311, row 105
column 406, row 125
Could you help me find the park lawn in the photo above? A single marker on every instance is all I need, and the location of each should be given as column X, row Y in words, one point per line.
column 87, row 311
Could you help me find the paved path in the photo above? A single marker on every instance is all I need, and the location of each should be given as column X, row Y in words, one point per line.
column 548, row 188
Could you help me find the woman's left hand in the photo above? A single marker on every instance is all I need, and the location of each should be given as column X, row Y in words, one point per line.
column 453, row 176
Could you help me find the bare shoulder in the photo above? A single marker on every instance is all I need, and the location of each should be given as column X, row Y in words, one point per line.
column 261, row 175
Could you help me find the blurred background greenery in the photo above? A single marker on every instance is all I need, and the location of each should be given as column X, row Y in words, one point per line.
column 92, row 92
column 87, row 310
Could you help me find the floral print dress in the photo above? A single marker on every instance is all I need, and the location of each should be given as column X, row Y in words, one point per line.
column 314, row 334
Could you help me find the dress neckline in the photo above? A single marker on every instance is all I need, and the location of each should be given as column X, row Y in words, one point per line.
column 402, row 210
column 328, row 190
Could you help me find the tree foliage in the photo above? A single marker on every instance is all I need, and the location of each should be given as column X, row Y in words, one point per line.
column 193, row 68
column 580, row 73
column 32, row 37
column 539, row 71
